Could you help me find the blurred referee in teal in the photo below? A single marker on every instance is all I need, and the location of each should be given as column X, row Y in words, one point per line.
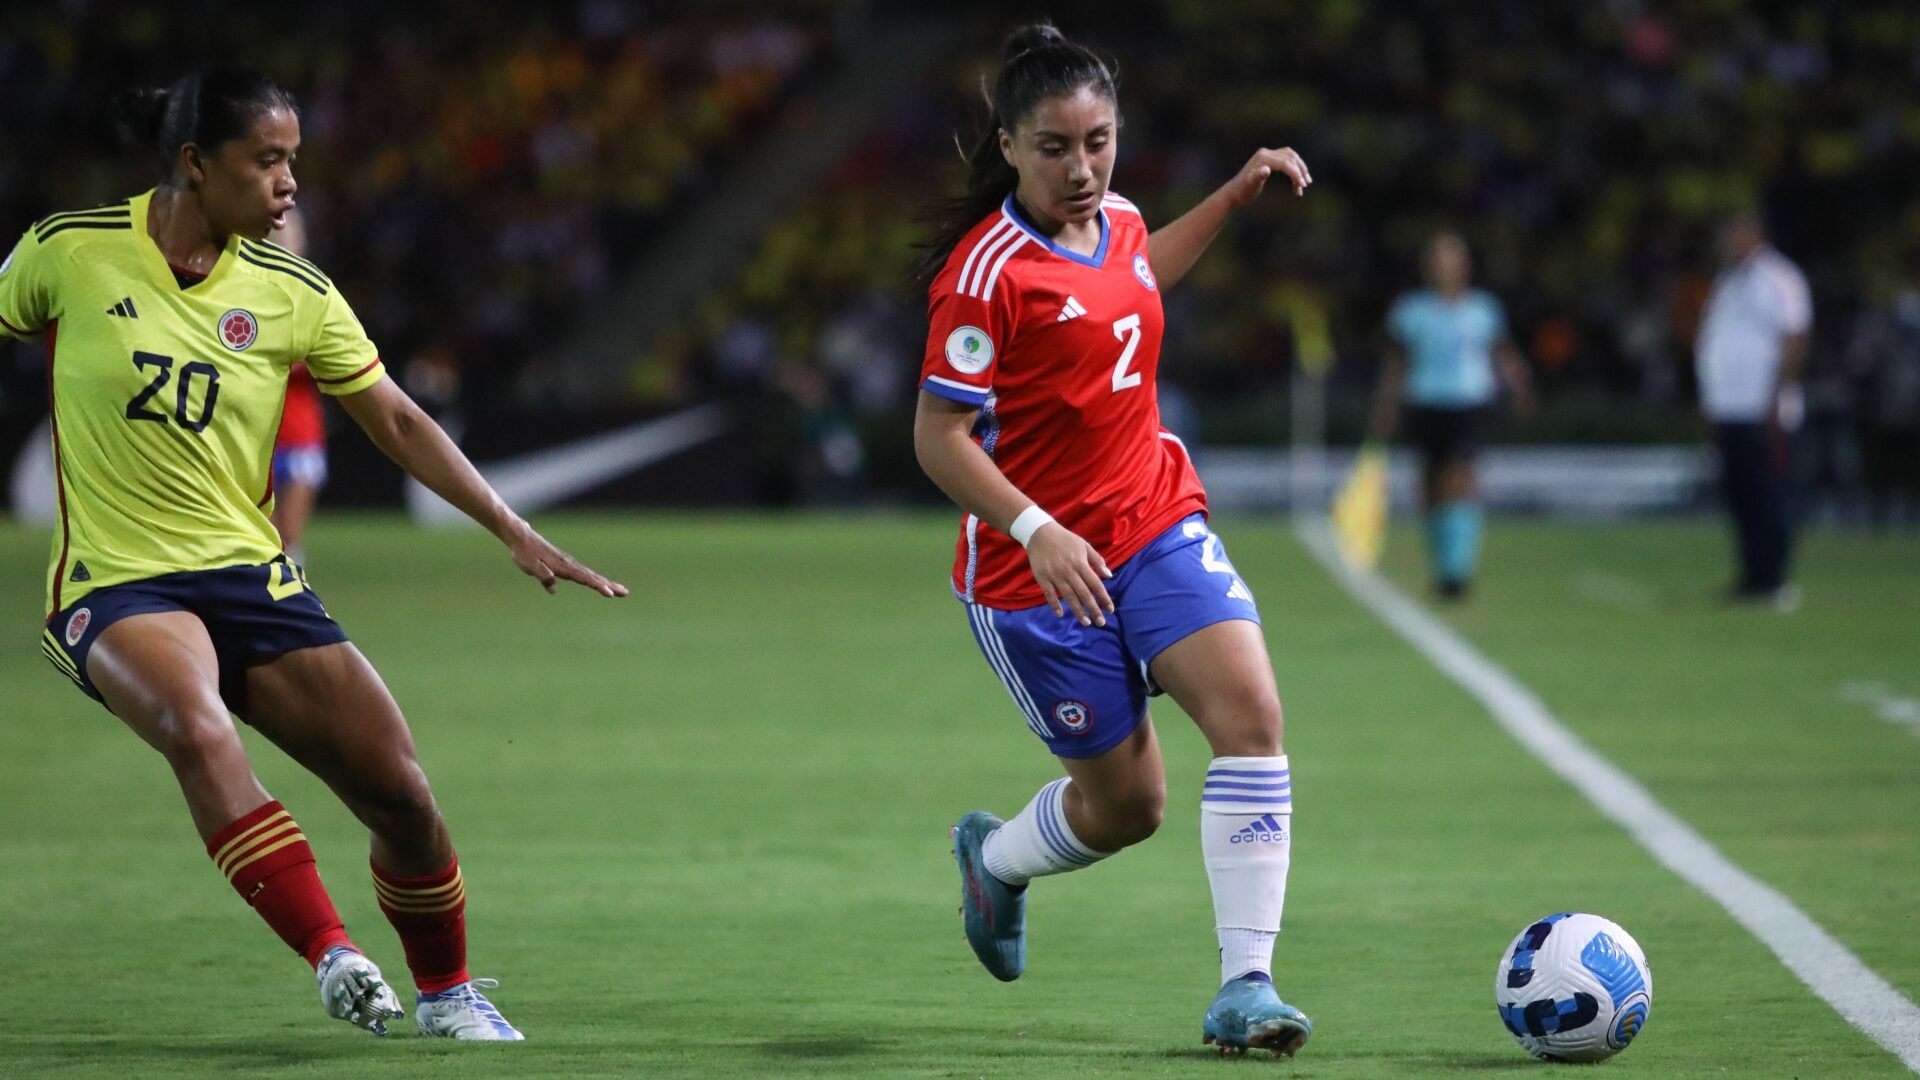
column 1445, row 343
column 1751, row 348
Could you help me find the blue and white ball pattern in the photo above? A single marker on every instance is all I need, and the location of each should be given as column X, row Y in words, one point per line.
column 1573, row 988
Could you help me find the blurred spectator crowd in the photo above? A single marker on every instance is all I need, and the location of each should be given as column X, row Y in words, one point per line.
column 472, row 172
column 1586, row 151
column 479, row 174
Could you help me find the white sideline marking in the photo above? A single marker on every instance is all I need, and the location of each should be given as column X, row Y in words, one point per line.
column 536, row 480
column 1896, row 709
column 1860, row 996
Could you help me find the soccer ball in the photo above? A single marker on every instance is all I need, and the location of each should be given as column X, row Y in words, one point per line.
column 1573, row 988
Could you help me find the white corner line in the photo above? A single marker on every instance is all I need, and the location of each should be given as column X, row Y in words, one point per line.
column 1829, row 969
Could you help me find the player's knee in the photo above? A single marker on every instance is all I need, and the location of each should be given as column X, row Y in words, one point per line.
column 1247, row 722
column 195, row 736
column 1268, row 727
column 403, row 806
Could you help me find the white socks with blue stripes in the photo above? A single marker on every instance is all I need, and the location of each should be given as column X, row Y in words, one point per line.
column 1038, row 841
column 1246, row 833
column 1246, row 836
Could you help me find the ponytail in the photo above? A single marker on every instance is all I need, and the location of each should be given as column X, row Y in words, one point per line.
column 138, row 113
column 1036, row 63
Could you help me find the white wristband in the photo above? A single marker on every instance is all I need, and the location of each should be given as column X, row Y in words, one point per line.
column 1028, row 523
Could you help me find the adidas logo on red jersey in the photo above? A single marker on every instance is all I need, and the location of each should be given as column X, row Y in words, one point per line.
column 1071, row 310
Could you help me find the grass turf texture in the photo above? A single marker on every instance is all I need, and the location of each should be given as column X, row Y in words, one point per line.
column 704, row 829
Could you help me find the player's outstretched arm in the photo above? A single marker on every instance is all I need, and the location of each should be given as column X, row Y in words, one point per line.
column 409, row 436
column 1070, row 571
column 1177, row 245
column 1519, row 380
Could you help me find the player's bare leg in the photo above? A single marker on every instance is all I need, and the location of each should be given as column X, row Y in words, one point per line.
column 159, row 673
column 1102, row 805
column 1222, row 676
column 1456, row 481
column 1117, row 800
column 292, row 505
column 330, row 711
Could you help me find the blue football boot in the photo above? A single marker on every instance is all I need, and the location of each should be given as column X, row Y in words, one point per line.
column 1247, row 1013
column 995, row 912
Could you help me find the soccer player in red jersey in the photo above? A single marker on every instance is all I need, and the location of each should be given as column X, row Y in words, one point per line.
column 1089, row 575
column 299, row 462
column 300, row 447
column 170, row 600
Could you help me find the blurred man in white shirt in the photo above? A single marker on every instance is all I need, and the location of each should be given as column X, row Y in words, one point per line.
column 1751, row 349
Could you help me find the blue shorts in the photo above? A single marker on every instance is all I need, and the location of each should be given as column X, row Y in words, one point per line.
column 300, row 465
column 252, row 613
column 1084, row 689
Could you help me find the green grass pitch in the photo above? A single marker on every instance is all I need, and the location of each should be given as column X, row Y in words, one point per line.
column 704, row 829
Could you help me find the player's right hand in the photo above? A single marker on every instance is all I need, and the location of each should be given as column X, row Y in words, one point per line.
column 539, row 559
column 1071, row 574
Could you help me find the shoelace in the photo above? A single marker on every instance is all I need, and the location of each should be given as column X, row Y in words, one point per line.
column 470, row 994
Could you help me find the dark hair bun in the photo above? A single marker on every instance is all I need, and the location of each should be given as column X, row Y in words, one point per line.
column 1031, row 37
column 207, row 108
column 139, row 113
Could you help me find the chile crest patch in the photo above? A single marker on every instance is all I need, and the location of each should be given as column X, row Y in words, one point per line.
column 1142, row 271
column 1074, row 717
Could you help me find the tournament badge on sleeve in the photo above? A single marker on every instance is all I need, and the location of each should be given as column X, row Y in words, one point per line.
column 1360, row 509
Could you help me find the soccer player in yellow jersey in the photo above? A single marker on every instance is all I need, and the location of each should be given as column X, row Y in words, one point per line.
column 171, row 325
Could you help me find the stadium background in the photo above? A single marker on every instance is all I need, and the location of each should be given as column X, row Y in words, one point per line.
column 566, row 220
column 562, row 218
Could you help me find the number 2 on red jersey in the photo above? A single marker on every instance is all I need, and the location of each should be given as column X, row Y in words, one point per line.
column 1127, row 330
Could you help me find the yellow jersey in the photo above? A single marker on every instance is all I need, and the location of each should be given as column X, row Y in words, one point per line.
column 166, row 398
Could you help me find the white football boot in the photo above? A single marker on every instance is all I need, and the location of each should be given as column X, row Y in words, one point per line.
column 352, row 989
column 463, row 1012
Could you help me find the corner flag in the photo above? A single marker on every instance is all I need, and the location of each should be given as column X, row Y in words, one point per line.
column 1360, row 509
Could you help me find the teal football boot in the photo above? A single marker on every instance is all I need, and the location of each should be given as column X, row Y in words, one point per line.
column 1248, row 1014
column 995, row 912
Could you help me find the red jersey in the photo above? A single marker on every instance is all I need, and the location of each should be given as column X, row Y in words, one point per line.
column 302, row 423
column 1060, row 351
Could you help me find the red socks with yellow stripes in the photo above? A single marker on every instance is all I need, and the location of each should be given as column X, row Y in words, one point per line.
column 267, row 859
column 430, row 914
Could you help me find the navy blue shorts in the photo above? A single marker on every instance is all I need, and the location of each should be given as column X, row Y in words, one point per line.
column 1446, row 434
column 1084, row 689
column 252, row 613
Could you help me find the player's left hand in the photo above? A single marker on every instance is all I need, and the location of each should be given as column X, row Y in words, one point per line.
column 547, row 564
column 1252, row 180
